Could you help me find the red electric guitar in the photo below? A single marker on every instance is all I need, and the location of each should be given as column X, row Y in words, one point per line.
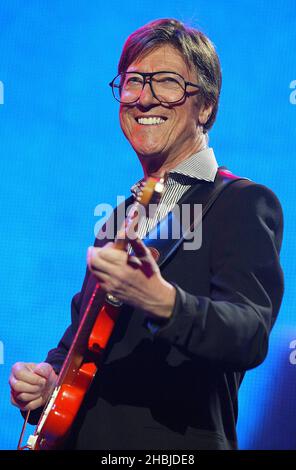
column 81, row 363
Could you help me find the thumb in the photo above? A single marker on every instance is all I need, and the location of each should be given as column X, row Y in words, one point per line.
column 43, row 369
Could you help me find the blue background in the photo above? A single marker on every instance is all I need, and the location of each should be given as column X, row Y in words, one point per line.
column 62, row 153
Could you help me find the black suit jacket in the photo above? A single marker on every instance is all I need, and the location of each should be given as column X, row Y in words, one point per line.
column 177, row 388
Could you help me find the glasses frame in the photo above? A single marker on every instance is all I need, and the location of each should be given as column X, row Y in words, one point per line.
column 147, row 75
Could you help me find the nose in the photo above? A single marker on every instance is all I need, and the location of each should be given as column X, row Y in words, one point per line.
column 146, row 97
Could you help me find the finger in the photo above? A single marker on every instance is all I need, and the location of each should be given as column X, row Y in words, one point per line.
column 134, row 262
column 139, row 248
column 18, row 386
column 149, row 265
column 102, row 277
column 15, row 402
column 30, row 365
column 33, row 405
column 25, row 373
column 113, row 256
column 97, row 249
column 26, row 397
column 96, row 260
column 101, row 269
column 108, row 253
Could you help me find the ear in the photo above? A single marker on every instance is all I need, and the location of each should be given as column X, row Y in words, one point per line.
column 204, row 113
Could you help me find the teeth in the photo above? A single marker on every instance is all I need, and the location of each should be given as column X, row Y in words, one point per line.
column 150, row 120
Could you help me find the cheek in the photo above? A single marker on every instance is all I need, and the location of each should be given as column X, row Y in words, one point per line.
column 122, row 116
column 187, row 119
column 124, row 121
column 180, row 124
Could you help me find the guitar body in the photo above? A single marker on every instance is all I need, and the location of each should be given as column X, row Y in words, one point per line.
column 63, row 412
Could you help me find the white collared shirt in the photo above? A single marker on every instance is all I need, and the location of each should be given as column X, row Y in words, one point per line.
column 200, row 166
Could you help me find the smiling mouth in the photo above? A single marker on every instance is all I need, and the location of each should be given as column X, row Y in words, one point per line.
column 150, row 121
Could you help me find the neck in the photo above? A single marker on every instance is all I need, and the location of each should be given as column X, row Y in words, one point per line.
column 158, row 164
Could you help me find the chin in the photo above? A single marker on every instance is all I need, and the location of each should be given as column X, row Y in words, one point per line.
column 150, row 151
column 151, row 154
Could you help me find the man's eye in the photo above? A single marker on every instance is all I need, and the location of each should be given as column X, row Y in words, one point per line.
column 169, row 80
column 132, row 80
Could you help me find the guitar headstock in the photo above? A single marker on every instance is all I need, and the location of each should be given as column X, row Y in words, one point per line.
column 151, row 191
column 147, row 198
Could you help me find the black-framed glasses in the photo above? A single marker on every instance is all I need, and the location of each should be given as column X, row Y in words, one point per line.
column 167, row 87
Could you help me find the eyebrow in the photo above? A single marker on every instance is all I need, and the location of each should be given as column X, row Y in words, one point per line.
column 155, row 71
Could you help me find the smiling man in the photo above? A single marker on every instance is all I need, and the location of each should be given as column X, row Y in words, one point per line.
column 166, row 124
column 192, row 324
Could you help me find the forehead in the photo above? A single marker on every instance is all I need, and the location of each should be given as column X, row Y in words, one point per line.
column 163, row 57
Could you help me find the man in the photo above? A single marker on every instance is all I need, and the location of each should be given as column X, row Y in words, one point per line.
column 190, row 328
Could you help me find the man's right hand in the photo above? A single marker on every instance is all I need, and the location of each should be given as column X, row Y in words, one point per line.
column 31, row 384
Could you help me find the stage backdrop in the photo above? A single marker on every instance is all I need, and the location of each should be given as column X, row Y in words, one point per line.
column 62, row 153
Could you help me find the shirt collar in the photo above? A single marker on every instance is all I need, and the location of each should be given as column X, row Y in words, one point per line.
column 202, row 165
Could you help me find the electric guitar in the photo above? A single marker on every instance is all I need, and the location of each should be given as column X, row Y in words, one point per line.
column 83, row 359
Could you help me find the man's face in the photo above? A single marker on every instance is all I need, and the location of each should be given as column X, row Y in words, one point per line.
column 176, row 137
